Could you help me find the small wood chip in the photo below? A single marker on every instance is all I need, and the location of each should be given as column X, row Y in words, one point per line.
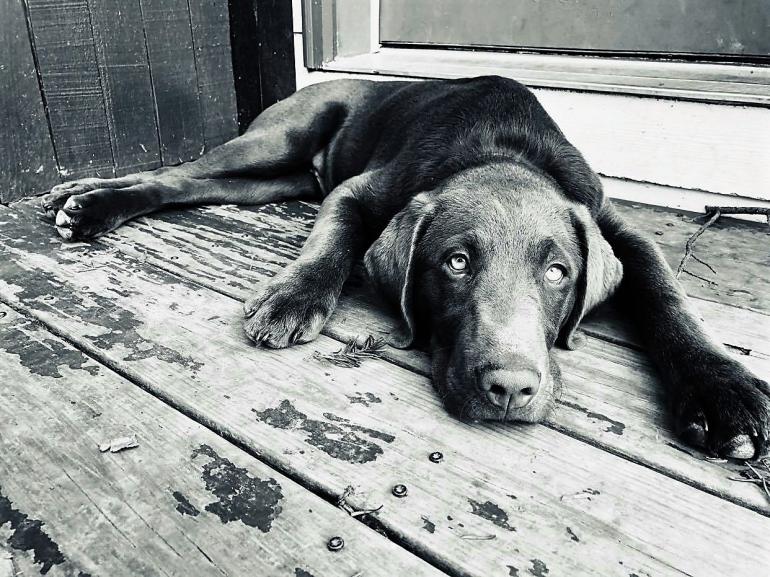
column 119, row 444
column 478, row 537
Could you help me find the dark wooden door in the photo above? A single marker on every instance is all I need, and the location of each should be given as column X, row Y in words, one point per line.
column 109, row 87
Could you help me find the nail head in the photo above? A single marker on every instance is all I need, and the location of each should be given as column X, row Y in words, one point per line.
column 400, row 490
column 335, row 544
column 436, row 457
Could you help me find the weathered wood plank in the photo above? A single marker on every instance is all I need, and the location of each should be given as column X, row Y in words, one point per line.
column 211, row 39
column 66, row 57
column 614, row 402
column 373, row 427
column 185, row 502
column 125, row 77
column 27, row 161
column 174, row 79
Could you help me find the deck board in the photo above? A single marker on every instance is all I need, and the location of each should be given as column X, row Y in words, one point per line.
column 185, row 502
column 611, row 394
column 183, row 342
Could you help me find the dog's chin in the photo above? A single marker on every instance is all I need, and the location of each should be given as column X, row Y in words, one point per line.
column 462, row 399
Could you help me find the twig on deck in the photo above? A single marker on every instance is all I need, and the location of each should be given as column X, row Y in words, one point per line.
column 343, row 504
column 714, row 212
column 353, row 353
column 752, row 475
column 691, row 241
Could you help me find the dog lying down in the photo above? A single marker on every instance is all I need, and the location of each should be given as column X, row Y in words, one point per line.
column 476, row 217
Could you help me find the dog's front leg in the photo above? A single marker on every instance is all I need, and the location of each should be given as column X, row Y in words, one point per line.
column 718, row 403
column 296, row 303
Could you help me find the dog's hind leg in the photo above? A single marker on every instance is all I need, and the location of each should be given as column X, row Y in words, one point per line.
column 96, row 212
column 257, row 167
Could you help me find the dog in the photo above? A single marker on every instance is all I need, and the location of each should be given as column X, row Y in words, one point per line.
column 476, row 218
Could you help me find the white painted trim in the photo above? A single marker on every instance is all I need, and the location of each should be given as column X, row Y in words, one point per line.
column 713, row 82
column 677, row 198
column 374, row 25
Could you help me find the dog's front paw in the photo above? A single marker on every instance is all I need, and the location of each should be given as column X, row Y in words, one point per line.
column 725, row 409
column 288, row 312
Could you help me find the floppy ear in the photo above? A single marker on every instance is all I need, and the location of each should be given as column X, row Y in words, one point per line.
column 389, row 263
column 601, row 274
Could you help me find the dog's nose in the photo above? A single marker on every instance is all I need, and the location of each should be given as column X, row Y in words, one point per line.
column 510, row 389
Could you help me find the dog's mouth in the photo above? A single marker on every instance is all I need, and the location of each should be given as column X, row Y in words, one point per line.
column 462, row 397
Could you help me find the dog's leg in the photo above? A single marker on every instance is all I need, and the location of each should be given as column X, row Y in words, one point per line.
column 276, row 151
column 297, row 302
column 718, row 403
column 93, row 213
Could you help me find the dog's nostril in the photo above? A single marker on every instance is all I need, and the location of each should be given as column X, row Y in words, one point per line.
column 498, row 390
column 527, row 391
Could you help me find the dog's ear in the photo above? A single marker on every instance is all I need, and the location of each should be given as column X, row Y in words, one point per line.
column 390, row 263
column 601, row 275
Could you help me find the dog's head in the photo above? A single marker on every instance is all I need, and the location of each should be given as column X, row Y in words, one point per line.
column 492, row 269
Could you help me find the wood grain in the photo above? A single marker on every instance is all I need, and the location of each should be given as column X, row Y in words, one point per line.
column 27, row 161
column 530, row 487
column 126, row 83
column 184, row 502
column 66, row 57
column 211, row 39
column 174, row 79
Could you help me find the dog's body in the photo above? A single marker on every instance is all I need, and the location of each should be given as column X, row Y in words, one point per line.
column 476, row 217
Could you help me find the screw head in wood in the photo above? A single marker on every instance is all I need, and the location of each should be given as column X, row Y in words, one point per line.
column 436, row 457
column 400, row 490
column 335, row 544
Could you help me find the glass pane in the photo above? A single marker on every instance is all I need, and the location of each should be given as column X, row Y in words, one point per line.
column 714, row 27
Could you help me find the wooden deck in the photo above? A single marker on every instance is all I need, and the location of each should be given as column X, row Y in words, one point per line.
column 250, row 461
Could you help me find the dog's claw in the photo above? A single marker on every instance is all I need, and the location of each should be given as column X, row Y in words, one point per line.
column 740, row 447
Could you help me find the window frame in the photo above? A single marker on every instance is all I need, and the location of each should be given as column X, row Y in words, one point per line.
column 343, row 36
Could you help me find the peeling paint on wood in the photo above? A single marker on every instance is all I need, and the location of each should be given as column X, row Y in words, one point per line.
column 42, row 357
column 538, row 569
column 613, row 426
column 364, row 399
column 28, row 535
column 240, row 497
column 491, row 512
column 184, row 506
column 337, row 439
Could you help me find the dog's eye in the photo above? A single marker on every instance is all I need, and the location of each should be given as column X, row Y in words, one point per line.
column 555, row 273
column 458, row 262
